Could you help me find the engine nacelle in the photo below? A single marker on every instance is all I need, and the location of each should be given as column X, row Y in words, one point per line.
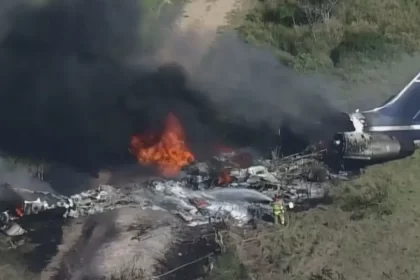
column 370, row 147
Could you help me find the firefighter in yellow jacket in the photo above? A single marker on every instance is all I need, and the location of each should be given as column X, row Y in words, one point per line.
column 278, row 210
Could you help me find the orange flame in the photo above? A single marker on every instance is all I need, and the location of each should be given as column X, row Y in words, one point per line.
column 169, row 154
column 225, row 178
column 20, row 211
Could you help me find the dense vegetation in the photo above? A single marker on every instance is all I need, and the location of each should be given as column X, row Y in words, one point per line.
column 325, row 34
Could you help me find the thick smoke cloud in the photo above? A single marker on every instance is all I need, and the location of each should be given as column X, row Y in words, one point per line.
column 248, row 85
column 70, row 91
column 256, row 87
column 66, row 92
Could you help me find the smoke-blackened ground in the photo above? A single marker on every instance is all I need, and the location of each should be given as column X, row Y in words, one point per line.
column 144, row 242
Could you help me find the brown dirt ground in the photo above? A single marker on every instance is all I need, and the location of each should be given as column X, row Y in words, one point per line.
column 195, row 31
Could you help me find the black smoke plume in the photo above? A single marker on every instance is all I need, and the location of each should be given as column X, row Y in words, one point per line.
column 249, row 86
column 68, row 94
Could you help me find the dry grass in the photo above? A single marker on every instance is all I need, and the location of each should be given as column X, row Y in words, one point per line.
column 129, row 273
column 371, row 232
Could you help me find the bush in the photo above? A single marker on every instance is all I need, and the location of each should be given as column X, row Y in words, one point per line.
column 381, row 191
column 228, row 267
column 322, row 34
column 367, row 200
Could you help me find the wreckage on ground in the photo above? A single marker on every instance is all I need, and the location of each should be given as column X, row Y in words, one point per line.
column 213, row 191
column 385, row 133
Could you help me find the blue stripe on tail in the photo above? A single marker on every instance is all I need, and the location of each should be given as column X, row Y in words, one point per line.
column 405, row 105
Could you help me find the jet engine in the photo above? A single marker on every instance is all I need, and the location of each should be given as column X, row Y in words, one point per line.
column 375, row 147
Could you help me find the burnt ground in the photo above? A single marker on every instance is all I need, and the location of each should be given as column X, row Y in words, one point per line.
column 371, row 231
column 24, row 257
column 39, row 255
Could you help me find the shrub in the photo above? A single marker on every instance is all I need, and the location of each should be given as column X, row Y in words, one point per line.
column 323, row 34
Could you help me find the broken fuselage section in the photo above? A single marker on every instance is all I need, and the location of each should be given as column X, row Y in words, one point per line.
column 385, row 133
column 365, row 147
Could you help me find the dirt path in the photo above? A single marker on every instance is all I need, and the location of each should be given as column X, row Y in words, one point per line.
column 195, row 31
column 206, row 14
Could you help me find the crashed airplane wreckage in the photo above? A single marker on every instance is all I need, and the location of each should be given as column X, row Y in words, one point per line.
column 222, row 188
column 231, row 186
column 213, row 191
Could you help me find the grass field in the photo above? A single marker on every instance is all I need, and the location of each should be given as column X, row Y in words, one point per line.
column 370, row 232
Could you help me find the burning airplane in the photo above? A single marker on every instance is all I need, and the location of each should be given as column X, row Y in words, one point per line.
column 86, row 107
column 385, row 133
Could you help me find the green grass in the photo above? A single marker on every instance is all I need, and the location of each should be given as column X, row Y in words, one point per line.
column 334, row 34
column 390, row 190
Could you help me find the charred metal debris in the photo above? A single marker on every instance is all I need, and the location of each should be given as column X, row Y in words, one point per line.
column 232, row 186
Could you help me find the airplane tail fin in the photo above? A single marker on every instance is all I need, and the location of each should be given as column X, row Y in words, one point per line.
column 405, row 104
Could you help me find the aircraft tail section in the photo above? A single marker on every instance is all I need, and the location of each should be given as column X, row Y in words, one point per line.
column 405, row 105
